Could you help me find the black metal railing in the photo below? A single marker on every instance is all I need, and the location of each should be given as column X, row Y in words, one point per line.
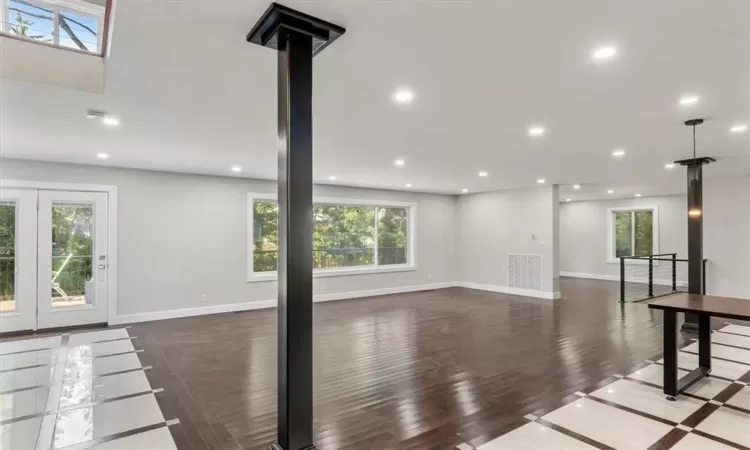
column 329, row 258
column 650, row 276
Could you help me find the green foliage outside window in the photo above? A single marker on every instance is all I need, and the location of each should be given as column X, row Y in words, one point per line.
column 634, row 233
column 7, row 250
column 343, row 236
column 72, row 234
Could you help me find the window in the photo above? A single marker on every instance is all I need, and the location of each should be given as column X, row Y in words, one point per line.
column 632, row 232
column 46, row 21
column 357, row 235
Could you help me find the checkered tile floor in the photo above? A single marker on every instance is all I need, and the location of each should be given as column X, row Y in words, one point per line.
column 631, row 412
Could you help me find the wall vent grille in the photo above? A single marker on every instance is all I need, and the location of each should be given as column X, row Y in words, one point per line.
column 525, row 271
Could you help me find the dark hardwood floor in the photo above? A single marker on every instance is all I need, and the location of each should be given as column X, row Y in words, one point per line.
column 425, row 370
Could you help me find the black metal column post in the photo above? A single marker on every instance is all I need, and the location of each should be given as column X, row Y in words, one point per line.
column 674, row 272
column 297, row 37
column 622, row 280
column 650, row 276
column 695, row 235
column 695, row 224
column 295, row 347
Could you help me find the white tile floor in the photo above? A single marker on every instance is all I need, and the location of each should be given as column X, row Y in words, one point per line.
column 729, row 424
column 649, row 400
column 619, row 422
column 608, row 425
column 90, row 391
column 695, row 442
column 537, row 437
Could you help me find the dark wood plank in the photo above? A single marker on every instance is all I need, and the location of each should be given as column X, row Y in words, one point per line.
column 410, row 371
column 731, row 308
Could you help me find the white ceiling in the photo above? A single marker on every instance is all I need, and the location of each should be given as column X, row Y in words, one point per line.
column 193, row 96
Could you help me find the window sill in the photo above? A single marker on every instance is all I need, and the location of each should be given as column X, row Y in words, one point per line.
column 340, row 272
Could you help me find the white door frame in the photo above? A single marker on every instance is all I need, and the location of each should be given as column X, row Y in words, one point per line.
column 112, row 224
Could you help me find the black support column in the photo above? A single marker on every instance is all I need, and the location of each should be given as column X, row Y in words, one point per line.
column 695, row 225
column 297, row 37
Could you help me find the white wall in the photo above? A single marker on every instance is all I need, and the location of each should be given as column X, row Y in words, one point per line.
column 184, row 235
column 493, row 224
column 583, row 233
column 36, row 63
column 726, row 235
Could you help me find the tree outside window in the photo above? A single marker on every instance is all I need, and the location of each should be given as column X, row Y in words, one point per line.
column 633, row 233
column 343, row 236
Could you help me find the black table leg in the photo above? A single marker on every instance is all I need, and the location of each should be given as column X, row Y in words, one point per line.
column 670, row 354
column 704, row 342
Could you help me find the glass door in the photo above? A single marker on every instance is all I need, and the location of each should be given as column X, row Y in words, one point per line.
column 72, row 258
column 17, row 260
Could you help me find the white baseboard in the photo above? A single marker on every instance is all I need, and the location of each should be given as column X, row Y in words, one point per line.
column 190, row 312
column 263, row 304
column 385, row 291
column 510, row 290
column 639, row 280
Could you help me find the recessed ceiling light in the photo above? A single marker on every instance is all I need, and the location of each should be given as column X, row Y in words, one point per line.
column 464, row 190
column 236, row 168
column 403, row 96
column 483, row 174
column 610, row 191
column 408, row 184
column 541, row 180
column 399, row 163
column 102, row 155
column 537, row 131
column 604, row 53
column 669, row 166
column 332, row 178
column 576, row 186
column 110, row 121
column 638, row 195
column 738, row 128
column 618, row 153
column 689, row 99
column 568, row 200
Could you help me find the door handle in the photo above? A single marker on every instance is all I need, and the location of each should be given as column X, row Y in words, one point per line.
column 102, row 266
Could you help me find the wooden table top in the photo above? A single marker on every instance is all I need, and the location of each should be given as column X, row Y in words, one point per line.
column 731, row 308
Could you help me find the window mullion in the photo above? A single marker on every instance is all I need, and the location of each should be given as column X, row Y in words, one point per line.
column 56, row 25
column 6, row 16
column 375, row 251
column 632, row 231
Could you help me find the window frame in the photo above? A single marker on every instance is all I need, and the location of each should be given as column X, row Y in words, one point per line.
column 56, row 6
column 611, row 244
column 411, row 238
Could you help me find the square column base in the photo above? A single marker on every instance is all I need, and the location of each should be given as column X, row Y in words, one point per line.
column 276, row 446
